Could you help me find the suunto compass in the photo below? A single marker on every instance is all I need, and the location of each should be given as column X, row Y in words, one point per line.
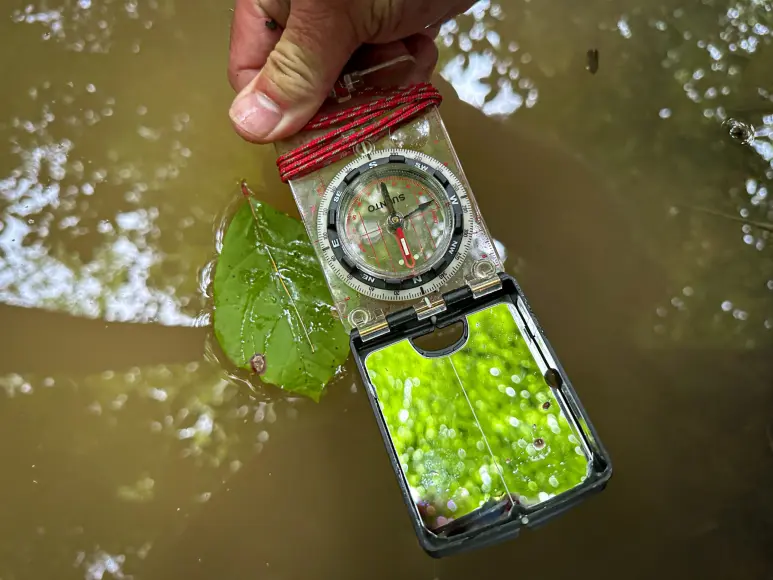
column 394, row 225
column 405, row 252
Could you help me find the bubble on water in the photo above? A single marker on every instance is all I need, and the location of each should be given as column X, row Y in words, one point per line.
column 543, row 496
column 553, row 481
column 501, row 388
column 158, row 394
column 263, row 436
column 727, row 306
column 451, row 505
column 579, row 451
column 539, row 443
column 494, row 371
column 510, row 391
column 513, row 421
column 740, row 131
column 480, row 445
column 403, row 415
column 664, row 113
column 525, row 394
column 516, row 379
column 462, row 453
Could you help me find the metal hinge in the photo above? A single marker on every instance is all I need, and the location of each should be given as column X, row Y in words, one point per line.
column 485, row 286
column 374, row 328
column 430, row 306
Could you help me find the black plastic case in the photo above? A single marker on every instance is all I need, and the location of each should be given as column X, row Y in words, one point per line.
column 460, row 303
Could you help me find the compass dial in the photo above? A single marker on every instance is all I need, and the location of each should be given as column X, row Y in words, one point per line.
column 395, row 224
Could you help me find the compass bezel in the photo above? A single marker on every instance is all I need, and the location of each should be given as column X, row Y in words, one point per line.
column 409, row 287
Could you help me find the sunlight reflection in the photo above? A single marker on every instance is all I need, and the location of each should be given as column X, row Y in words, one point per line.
column 87, row 26
column 48, row 201
column 712, row 66
column 482, row 71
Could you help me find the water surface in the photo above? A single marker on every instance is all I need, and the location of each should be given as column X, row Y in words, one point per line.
column 128, row 452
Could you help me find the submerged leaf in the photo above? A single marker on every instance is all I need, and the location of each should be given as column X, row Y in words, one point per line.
column 272, row 303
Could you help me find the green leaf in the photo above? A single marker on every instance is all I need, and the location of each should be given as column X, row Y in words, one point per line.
column 284, row 313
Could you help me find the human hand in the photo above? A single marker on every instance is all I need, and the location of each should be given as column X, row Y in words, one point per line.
column 286, row 57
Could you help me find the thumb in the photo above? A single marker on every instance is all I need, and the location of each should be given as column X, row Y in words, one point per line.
column 298, row 75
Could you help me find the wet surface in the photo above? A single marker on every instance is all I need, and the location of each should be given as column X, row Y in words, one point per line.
column 128, row 451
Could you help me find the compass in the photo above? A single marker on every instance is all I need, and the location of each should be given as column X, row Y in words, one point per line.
column 395, row 224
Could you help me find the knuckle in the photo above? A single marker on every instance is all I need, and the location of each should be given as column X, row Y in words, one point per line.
column 379, row 19
column 278, row 10
column 291, row 71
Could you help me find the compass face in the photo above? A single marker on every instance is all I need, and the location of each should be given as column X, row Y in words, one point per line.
column 394, row 225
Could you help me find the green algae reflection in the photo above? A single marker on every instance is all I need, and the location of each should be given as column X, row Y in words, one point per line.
column 473, row 426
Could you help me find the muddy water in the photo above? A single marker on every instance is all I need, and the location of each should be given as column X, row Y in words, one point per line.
column 127, row 452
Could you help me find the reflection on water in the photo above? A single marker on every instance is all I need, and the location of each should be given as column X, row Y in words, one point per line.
column 485, row 73
column 88, row 26
column 176, row 433
column 55, row 192
column 118, row 160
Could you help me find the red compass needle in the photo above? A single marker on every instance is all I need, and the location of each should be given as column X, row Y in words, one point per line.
column 404, row 250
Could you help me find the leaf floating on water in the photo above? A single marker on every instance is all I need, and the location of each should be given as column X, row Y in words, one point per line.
column 272, row 305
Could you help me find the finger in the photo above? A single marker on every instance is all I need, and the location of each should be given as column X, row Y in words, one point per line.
column 298, row 75
column 419, row 46
column 253, row 38
column 459, row 7
column 425, row 51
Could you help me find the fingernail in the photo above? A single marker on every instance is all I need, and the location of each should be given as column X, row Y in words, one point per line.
column 255, row 114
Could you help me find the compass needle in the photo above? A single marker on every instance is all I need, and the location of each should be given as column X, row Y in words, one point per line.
column 419, row 209
column 389, row 204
